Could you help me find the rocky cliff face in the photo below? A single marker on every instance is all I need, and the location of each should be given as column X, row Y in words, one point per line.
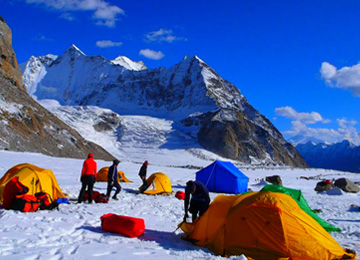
column 190, row 92
column 240, row 139
column 8, row 63
column 24, row 124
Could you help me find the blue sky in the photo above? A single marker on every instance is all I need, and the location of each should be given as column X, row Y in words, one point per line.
column 297, row 62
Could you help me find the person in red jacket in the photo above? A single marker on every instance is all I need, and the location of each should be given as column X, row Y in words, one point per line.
column 88, row 176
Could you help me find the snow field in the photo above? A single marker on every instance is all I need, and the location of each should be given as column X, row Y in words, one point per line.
column 74, row 232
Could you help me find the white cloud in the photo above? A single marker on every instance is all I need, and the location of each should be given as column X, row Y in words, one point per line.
column 306, row 118
column 150, row 54
column 41, row 37
column 345, row 131
column 104, row 13
column 162, row 35
column 324, row 134
column 346, row 77
column 348, row 130
column 67, row 16
column 107, row 43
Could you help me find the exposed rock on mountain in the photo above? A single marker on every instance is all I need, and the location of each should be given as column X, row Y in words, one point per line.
column 24, row 124
column 8, row 63
column 190, row 92
column 342, row 156
column 241, row 139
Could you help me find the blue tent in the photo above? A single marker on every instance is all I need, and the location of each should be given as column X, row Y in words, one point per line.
column 223, row 177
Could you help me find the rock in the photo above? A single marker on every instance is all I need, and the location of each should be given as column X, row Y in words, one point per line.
column 25, row 125
column 8, row 62
column 242, row 140
column 346, row 185
column 323, row 186
column 275, row 179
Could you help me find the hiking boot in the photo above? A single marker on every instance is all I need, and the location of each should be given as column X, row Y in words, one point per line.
column 115, row 198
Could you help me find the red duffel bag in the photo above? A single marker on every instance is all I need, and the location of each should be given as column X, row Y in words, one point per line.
column 126, row 226
column 96, row 196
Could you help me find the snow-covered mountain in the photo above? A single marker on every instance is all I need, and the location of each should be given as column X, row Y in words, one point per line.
column 300, row 139
column 342, row 156
column 24, row 124
column 129, row 64
column 190, row 93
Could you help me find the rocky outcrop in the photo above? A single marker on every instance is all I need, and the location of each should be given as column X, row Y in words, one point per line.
column 240, row 139
column 8, row 63
column 24, row 124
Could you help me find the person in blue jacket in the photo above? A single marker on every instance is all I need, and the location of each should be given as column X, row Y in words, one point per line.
column 113, row 180
column 200, row 199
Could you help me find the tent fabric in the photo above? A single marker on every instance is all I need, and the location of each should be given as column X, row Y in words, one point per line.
column 298, row 196
column 263, row 226
column 157, row 183
column 102, row 175
column 35, row 178
column 223, row 177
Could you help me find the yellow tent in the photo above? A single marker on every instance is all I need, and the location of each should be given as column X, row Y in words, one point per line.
column 102, row 175
column 35, row 178
column 262, row 226
column 157, row 183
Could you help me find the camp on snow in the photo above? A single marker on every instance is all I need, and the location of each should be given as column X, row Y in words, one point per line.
column 223, row 177
column 263, row 226
column 157, row 183
column 102, row 175
column 34, row 178
column 299, row 198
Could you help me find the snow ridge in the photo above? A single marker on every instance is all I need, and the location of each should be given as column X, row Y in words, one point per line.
column 129, row 64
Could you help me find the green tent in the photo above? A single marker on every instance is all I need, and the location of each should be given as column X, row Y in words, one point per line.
column 297, row 195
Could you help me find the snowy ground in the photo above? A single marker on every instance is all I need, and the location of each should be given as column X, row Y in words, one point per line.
column 74, row 232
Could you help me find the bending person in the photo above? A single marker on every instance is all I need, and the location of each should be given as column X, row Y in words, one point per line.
column 200, row 199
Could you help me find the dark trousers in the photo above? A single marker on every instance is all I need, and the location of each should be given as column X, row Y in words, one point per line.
column 197, row 207
column 110, row 186
column 143, row 178
column 86, row 181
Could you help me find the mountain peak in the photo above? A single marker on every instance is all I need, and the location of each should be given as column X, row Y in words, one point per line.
column 129, row 64
column 73, row 50
column 191, row 58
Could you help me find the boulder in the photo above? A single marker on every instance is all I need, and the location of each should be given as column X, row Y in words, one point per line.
column 323, row 186
column 275, row 179
column 347, row 185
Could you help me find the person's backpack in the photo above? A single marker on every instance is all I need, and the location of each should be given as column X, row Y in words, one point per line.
column 25, row 203
column 102, row 198
column 46, row 202
column 12, row 188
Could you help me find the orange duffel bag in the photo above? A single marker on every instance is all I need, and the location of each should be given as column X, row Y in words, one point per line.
column 124, row 225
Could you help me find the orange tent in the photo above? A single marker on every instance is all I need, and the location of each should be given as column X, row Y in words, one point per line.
column 35, row 178
column 263, row 226
column 157, row 183
column 102, row 175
